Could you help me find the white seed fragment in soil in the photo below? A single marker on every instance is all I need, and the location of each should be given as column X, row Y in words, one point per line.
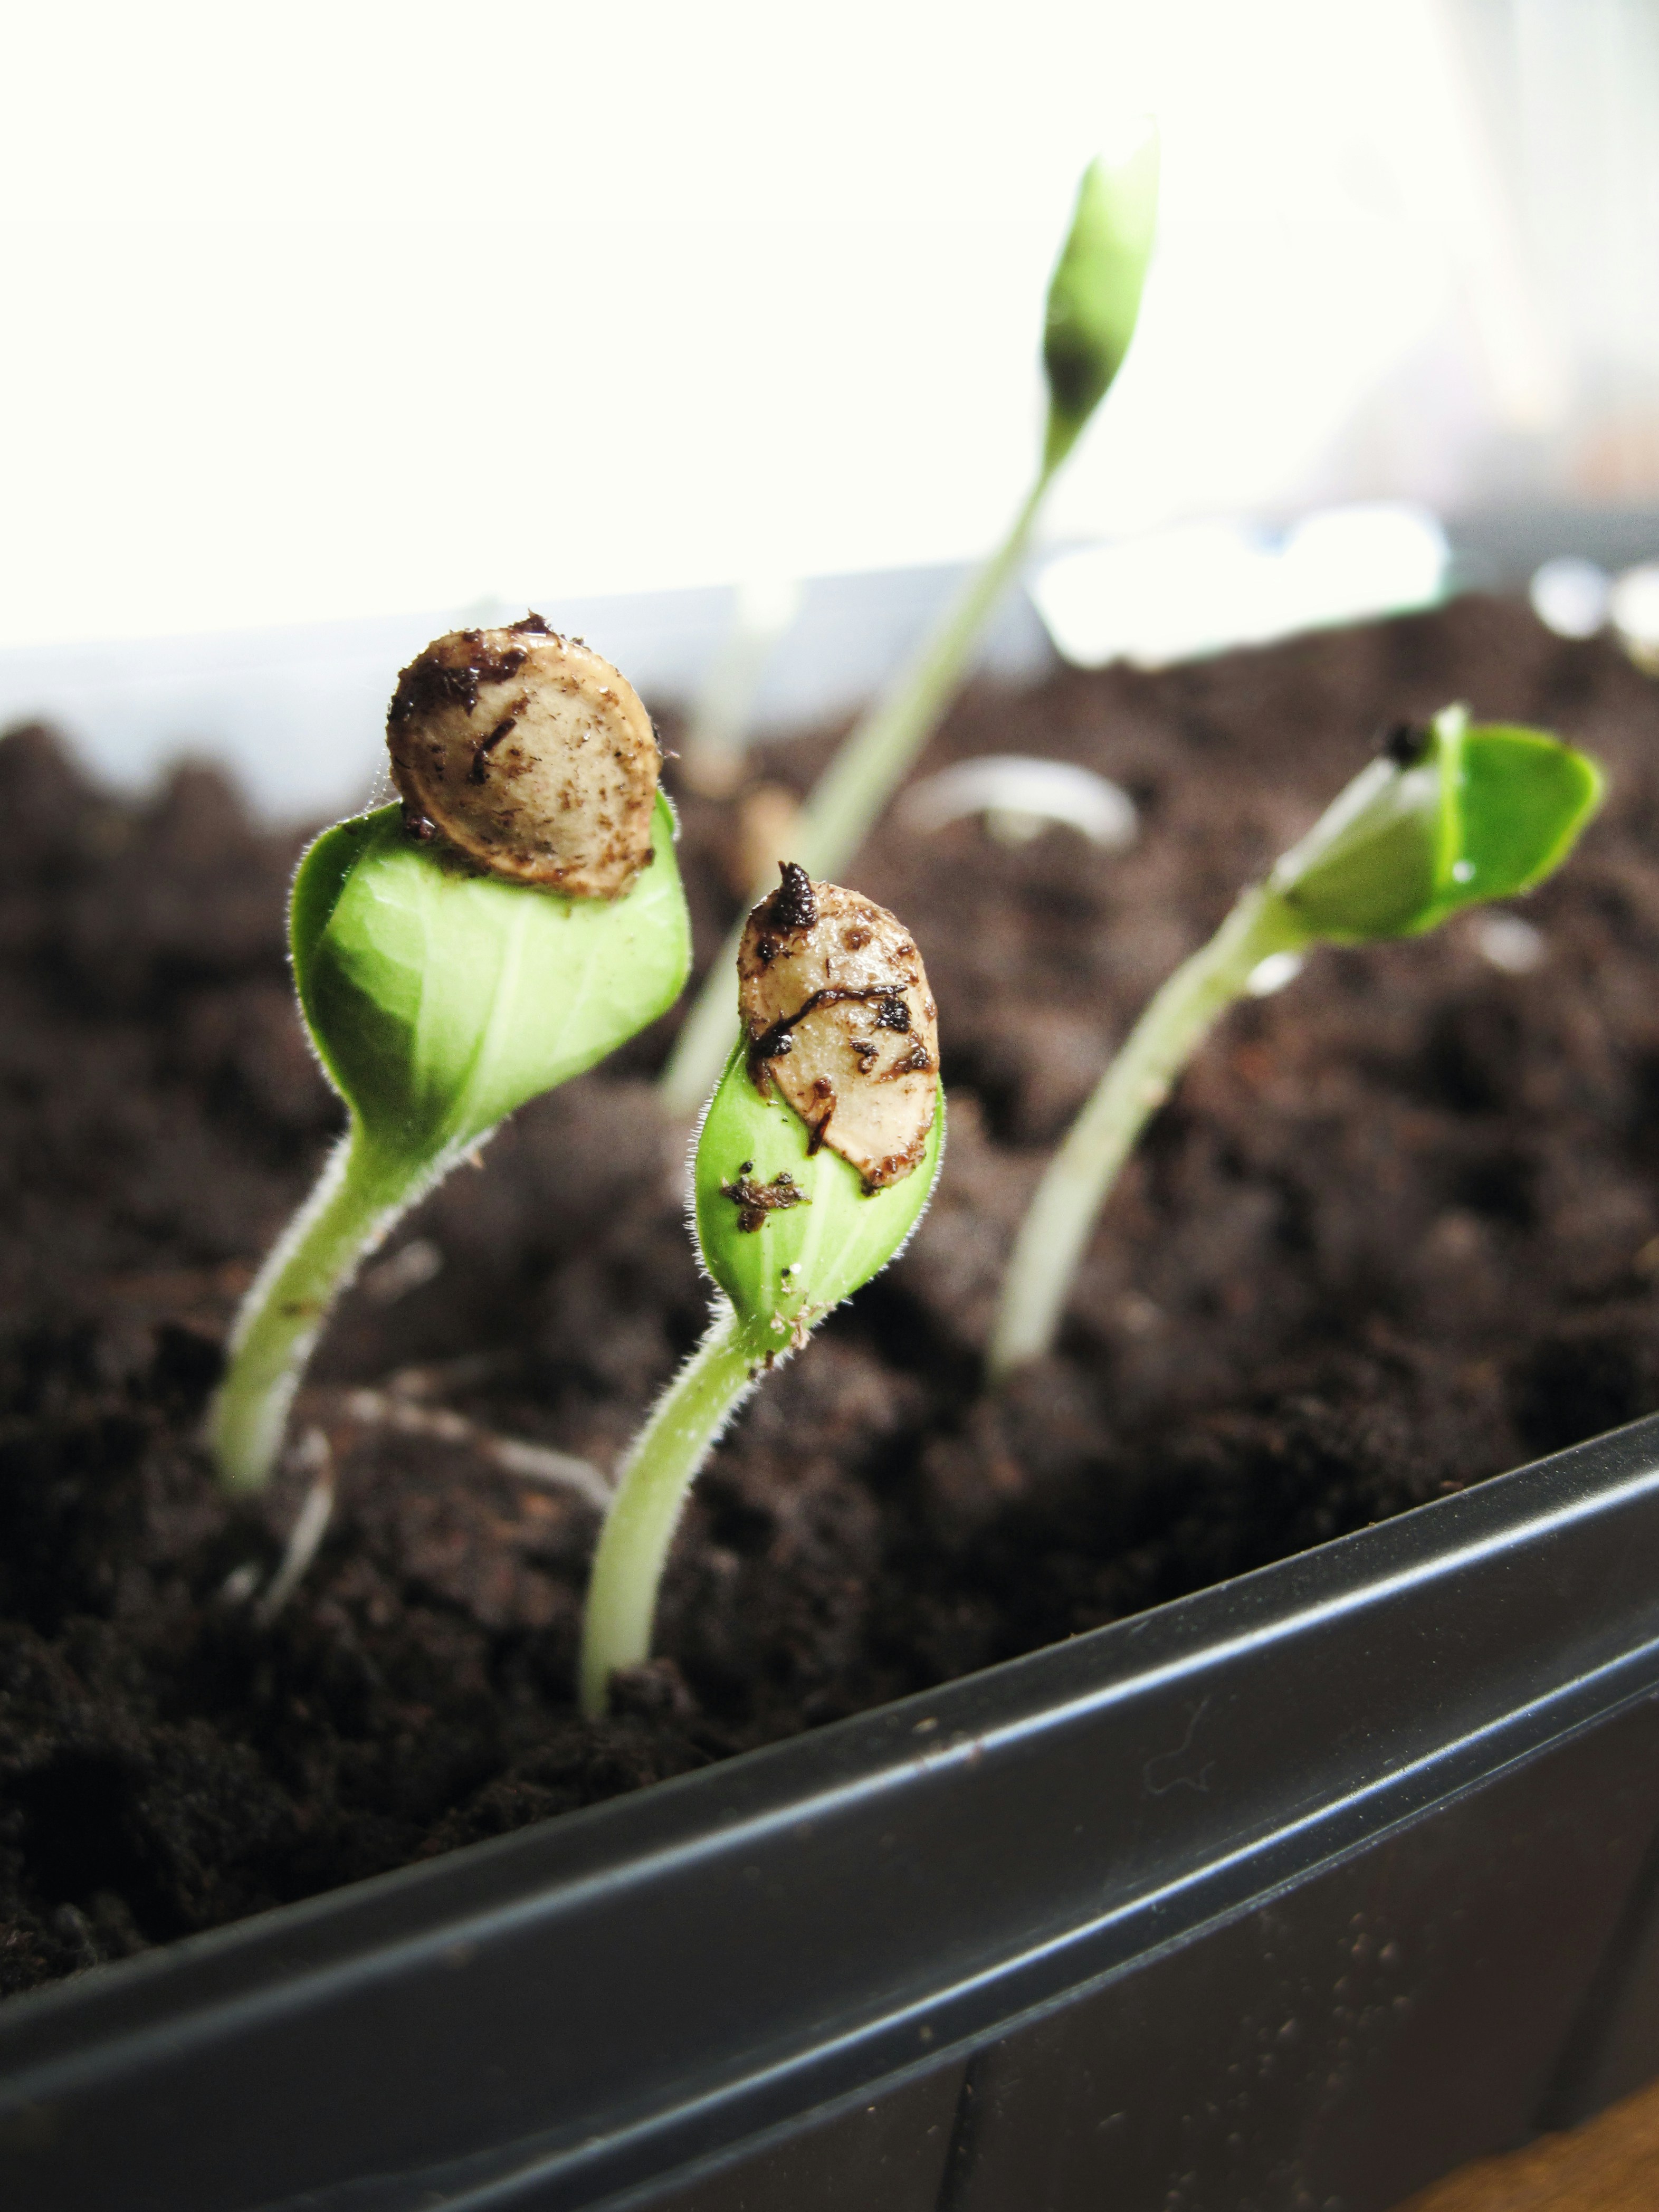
column 411, row 1269
column 1506, row 942
column 1019, row 796
column 530, row 754
column 839, row 1017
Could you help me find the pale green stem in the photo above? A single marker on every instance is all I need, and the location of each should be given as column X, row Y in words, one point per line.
column 853, row 790
column 357, row 1198
column 621, row 1595
column 1055, row 1232
column 859, row 782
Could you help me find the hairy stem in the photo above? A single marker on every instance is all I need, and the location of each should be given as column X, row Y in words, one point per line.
column 358, row 1196
column 621, row 1596
column 854, row 789
column 1055, row 1232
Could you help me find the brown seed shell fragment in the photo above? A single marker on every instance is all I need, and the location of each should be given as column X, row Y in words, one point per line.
column 837, row 1009
column 530, row 754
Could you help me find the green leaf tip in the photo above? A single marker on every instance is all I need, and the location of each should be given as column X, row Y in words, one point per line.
column 1094, row 295
column 441, row 997
column 1448, row 817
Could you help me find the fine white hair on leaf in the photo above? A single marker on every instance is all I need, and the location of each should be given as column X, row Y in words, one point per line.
column 722, row 1303
column 903, row 1244
column 690, row 1202
column 306, row 1030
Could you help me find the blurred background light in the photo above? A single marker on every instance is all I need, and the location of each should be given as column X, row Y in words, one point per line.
column 1633, row 604
column 1570, row 595
column 1196, row 587
column 360, row 314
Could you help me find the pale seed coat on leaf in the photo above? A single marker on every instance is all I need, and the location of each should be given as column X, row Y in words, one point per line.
column 838, row 1017
column 529, row 753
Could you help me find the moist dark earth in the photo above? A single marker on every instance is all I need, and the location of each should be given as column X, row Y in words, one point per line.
column 1398, row 1230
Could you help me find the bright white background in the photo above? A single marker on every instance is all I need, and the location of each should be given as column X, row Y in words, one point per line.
column 325, row 311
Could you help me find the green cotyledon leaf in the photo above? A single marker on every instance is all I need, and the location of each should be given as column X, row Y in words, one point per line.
column 786, row 1231
column 441, row 998
column 1448, row 817
column 1523, row 798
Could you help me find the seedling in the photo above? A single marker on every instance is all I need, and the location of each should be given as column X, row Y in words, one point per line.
column 516, row 918
column 1094, row 300
column 816, row 1158
column 1446, row 818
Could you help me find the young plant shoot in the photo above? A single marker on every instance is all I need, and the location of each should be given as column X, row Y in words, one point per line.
column 1094, row 300
column 813, row 1165
column 516, row 918
column 1445, row 818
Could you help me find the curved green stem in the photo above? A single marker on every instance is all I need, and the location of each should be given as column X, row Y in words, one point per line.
column 1055, row 1231
column 858, row 783
column 358, row 1196
column 854, row 789
column 621, row 1596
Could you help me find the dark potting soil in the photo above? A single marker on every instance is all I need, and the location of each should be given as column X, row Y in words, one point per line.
column 1397, row 1231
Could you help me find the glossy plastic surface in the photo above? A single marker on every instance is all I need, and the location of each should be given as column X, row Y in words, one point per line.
column 1294, row 1892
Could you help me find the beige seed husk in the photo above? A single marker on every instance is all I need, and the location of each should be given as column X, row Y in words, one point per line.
column 530, row 754
column 821, row 976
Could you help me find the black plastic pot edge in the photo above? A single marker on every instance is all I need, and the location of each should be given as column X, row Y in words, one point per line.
column 925, row 1956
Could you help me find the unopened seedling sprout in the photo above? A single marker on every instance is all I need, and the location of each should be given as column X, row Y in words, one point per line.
column 813, row 1165
column 1094, row 302
column 1447, row 817
column 516, row 919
